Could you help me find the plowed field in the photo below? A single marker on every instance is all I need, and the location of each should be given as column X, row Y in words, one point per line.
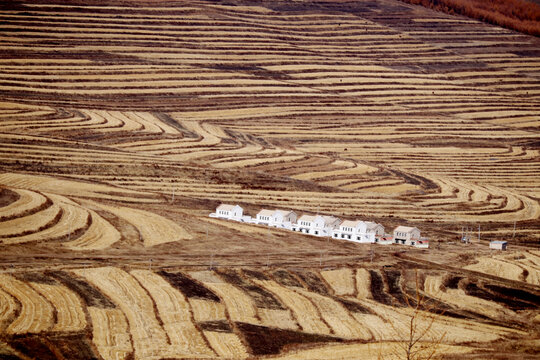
column 124, row 125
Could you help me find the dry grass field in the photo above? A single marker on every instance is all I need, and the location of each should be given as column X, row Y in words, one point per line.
column 144, row 314
column 122, row 126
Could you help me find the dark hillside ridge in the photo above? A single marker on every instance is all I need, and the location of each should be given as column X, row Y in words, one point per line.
column 519, row 15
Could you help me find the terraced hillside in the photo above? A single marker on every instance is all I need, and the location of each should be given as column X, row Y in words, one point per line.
column 122, row 126
column 111, row 313
column 405, row 112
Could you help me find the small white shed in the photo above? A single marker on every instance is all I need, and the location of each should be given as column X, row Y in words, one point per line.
column 498, row 245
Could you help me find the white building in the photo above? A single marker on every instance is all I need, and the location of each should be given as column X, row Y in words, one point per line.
column 406, row 235
column 498, row 245
column 318, row 225
column 283, row 219
column 264, row 217
column 276, row 218
column 230, row 212
column 376, row 229
column 354, row 231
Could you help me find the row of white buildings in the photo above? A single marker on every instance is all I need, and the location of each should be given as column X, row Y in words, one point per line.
column 322, row 225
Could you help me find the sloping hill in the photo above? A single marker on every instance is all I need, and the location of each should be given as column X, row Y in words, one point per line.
column 392, row 109
column 147, row 315
column 122, row 126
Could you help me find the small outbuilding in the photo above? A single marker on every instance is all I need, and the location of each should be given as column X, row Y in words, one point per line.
column 498, row 245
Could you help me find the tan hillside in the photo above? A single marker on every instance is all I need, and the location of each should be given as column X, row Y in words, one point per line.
column 124, row 125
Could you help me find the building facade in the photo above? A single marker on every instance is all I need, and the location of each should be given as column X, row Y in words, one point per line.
column 376, row 229
column 264, row 217
column 319, row 225
column 406, row 235
column 498, row 245
column 230, row 212
column 353, row 231
column 284, row 219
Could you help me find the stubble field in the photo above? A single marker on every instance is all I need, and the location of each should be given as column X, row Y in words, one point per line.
column 123, row 126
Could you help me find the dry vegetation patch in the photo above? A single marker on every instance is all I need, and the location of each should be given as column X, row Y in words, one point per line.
column 36, row 313
column 341, row 281
column 509, row 267
column 175, row 312
column 240, row 306
column 338, row 317
column 304, row 311
column 9, row 308
column 89, row 293
column 226, row 345
column 149, row 338
column 69, row 311
column 154, row 229
column 110, row 333
column 378, row 350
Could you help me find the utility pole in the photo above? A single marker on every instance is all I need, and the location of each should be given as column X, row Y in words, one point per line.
column 478, row 233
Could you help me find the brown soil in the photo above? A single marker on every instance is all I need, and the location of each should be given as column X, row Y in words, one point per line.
column 377, row 288
column 188, row 286
column 313, row 282
column 7, row 197
column 221, row 326
column 262, row 298
column 90, row 295
column 265, row 341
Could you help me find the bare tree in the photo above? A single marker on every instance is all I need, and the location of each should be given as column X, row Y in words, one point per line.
column 416, row 340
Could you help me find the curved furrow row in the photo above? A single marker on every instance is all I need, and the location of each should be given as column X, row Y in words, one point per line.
column 329, row 306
